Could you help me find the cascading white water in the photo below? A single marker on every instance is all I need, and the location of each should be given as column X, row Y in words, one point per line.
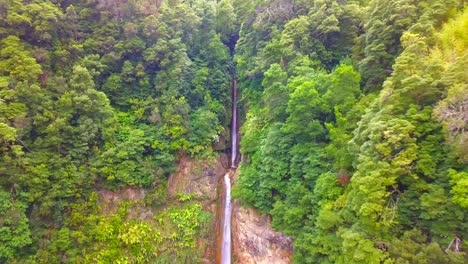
column 226, row 246
column 226, row 243
column 234, row 125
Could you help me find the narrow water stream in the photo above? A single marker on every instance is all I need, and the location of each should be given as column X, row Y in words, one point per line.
column 226, row 242
column 234, row 123
column 226, row 246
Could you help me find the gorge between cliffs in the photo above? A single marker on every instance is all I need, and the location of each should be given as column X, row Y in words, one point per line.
column 237, row 234
column 226, row 255
column 246, row 236
column 233, row 131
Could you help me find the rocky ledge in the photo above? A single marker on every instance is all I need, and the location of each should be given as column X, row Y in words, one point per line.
column 254, row 241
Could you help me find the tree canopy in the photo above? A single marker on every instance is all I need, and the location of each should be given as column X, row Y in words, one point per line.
column 353, row 125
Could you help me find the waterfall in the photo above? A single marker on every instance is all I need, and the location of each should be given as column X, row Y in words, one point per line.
column 234, row 129
column 226, row 247
column 226, row 243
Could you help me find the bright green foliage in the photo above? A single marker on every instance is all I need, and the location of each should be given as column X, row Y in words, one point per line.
column 387, row 21
column 36, row 20
column 459, row 190
column 452, row 44
column 105, row 95
column 411, row 248
column 103, row 238
column 353, row 125
column 226, row 22
column 275, row 95
column 358, row 178
column 205, row 130
column 17, row 62
column 14, row 229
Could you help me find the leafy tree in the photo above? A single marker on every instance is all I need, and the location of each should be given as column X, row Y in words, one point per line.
column 14, row 228
column 17, row 62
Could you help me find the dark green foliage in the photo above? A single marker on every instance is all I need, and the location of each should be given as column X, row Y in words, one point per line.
column 354, row 138
column 104, row 95
column 14, row 229
column 358, row 178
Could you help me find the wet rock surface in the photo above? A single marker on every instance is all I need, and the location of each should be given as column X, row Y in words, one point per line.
column 254, row 241
column 197, row 177
column 201, row 179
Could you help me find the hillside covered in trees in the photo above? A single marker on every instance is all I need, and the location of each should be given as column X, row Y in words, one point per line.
column 353, row 129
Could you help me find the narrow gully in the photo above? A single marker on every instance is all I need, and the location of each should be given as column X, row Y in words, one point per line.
column 226, row 255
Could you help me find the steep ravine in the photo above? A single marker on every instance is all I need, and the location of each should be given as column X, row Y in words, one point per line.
column 225, row 242
column 251, row 238
column 246, row 232
column 202, row 179
column 254, row 240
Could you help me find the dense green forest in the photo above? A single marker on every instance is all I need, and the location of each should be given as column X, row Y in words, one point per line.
column 353, row 130
column 354, row 139
column 102, row 95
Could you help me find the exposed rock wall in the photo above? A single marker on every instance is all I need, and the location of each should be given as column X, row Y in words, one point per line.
column 254, row 241
column 197, row 177
column 201, row 178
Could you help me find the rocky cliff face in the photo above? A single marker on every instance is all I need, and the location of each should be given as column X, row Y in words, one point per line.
column 197, row 177
column 254, row 241
column 201, row 178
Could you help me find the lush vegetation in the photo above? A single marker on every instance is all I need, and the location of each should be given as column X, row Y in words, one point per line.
column 354, row 139
column 353, row 131
column 105, row 95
